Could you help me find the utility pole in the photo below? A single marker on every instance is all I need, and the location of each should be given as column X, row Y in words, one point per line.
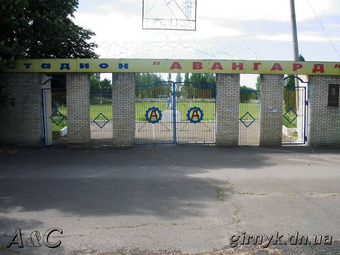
column 295, row 96
column 294, row 31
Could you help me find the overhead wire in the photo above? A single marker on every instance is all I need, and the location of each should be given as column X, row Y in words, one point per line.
column 329, row 38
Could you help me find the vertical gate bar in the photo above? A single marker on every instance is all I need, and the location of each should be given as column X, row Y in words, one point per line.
column 215, row 99
column 302, row 114
column 174, row 112
column 305, row 118
column 307, row 110
column 43, row 112
column 46, row 117
column 258, row 116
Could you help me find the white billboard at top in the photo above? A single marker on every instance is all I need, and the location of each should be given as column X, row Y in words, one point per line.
column 169, row 14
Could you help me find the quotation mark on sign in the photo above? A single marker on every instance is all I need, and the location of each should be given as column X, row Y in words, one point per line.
column 337, row 66
column 156, row 63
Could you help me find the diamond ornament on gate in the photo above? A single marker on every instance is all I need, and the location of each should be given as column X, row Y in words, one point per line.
column 57, row 117
column 288, row 116
column 247, row 117
column 101, row 120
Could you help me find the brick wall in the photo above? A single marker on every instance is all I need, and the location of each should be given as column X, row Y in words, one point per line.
column 22, row 124
column 78, row 108
column 123, row 109
column 227, row 109
column 271, row 108
column 323, row 121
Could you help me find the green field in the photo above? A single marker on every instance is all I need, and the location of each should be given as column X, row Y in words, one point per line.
column 141, row 107
column 289, row 116
column 253, row 109
column 207, row 107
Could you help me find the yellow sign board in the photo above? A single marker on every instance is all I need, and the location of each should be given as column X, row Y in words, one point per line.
column 176, row 66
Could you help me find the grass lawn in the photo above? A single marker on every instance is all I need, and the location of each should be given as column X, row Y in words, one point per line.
column 252, row 108
column 94, row 111
column 62, row 123
column 183, row 107
column 289, row 116
column 141, row 107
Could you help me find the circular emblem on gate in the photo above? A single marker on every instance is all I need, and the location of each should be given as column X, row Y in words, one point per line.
column 195, row 114
column 153, row 115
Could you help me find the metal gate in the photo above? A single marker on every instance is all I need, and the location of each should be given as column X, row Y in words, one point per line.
column 295, row 112
column 174, row 113
column 249, row 124
column 54, row 115
column 154, row 114
column 101, row 117
column 196, row 111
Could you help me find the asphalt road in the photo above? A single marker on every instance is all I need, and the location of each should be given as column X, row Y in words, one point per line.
column 174, row 198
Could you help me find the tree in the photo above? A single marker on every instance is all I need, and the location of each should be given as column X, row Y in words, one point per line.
column 247, row 93
column 148, row 86
column 106, row 85
column 301, row 58
column 51, row 33
column 99, row 85
column 202, row 80
column 11, row 22
column 211, row 79
column 40, row 29
column 245, row 88
column 186, row 78
column 178, row 77
column 258, row 83
column 195, row 78
column 169, row 77
column 289, row 96
column 95, row 82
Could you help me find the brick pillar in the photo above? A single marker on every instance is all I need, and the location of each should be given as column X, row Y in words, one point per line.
column 22, row 124
column 123, row 109
column 78, row 109
column 323, row 120
column 271, row 110
column 227, row 109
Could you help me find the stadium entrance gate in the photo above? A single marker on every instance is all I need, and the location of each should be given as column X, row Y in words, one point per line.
column 175, row 113
column 54, row 113
column 295, row 111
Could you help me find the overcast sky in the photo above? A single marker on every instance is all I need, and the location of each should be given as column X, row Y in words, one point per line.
column 242, row 29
